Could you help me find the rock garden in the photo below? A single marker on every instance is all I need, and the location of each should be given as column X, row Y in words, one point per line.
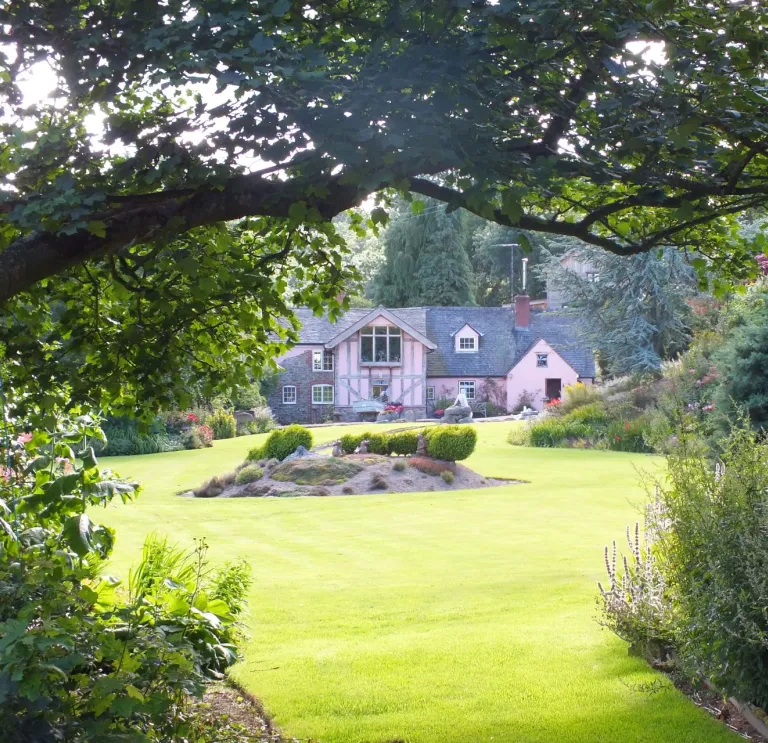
column 396, row 462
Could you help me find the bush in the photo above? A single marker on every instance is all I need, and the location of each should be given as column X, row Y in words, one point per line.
column 399, row 466
column 379, row 482
column 223, row 424
column 520, row 435
column 282, row 442
column 593, row 414
column 628, row 436
column 443, row 403
column 451, row 443
column 198, row 437
column 524, row 400
column 715, row 555
column 447, row 476
column 351, row 441
column 403, row 443
column 577, row 395
column 378, row 444
column 251, row 473
column 551, row 432
column 215, row 486
column 429, row 466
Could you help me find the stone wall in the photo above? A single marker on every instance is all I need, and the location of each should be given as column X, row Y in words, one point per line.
column 298, row 372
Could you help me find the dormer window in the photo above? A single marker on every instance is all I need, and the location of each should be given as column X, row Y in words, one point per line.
column 380, row 344
column 542, row 359
column 467, row 344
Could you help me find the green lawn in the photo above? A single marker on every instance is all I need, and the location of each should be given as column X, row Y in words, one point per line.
column 431, row 617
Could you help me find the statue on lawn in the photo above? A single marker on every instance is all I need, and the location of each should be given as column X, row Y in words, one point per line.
column 459, row 412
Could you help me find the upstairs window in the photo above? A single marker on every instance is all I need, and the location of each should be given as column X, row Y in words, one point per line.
column 467, row 344
column 322, row 360
column 541, row 359
column 380, row 344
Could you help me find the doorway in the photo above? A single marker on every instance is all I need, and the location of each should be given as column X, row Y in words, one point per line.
column 553, row 388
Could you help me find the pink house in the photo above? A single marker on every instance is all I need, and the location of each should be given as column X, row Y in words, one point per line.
column 418, row 355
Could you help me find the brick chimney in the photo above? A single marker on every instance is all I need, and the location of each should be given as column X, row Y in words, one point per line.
column 522, row 311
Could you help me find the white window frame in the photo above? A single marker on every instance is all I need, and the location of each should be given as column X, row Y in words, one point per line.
column 471, row 344
column 385, row 383
column 286, row 388
column 369, row 331
column 465, row 385
column 321, row 388
column 430, row 393
column 542, row 357
column 322, row 360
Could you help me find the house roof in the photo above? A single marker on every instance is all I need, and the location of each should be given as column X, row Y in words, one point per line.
column 391, row 317
column 501, row 345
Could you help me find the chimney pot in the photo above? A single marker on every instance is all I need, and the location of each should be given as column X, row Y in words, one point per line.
column 522, row 311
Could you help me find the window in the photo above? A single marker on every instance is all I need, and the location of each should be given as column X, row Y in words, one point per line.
column 322, row 360
column 289, row 395
column 592, row 276
column 430, row 393
column 379, row 387
column 380, row 344
column 322, row 394
column 468, row 388
column 541, row 359
column 467, row 343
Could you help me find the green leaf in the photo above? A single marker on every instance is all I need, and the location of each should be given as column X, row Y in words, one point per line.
column 97, row 227
column 61, row 485
column 134, row 693
column 77, row 534
column 510, row 205
column 88, row 458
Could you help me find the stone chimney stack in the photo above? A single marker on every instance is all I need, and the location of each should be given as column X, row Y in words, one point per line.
column 522, row 311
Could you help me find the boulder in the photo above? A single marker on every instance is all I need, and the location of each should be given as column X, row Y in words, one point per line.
column 301, row 451
column 457, row 414
column 409, row 415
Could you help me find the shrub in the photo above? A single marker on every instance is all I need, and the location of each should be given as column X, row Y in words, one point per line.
column 215, row 486
column 350, row 441
column 403, row 443
column 447, row 476
column 577, row 395
column 636, row 603
column 379, row 482
column 378, row 444
column 451, row 443
column 251, row 473
column 316, row 470
column 399, row 466
column 198, row 437
column 284, row 441
column 593, row 414
column 623, row 435
column 524, row 400
column 255, row 454
column 430, row 466
column 551, row 432
column 443, row 403
column 223, row 424
column 715, row 555
column 519, row 435
column 230, row 584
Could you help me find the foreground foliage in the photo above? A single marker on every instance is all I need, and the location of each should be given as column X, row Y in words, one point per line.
column 80, row 658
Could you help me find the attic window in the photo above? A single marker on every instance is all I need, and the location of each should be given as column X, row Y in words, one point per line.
column 467, row 343
column 541, row 359
column 380, row 344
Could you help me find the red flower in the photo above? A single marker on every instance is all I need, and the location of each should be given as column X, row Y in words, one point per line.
column 627, row 426
column 554, row 402
column 192, row 418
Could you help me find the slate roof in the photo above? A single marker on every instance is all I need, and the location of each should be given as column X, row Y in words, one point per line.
column 501, row 345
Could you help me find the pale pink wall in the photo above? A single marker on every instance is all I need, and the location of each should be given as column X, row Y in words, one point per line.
column 449, row 387
column 527, row 376
column 355, row 381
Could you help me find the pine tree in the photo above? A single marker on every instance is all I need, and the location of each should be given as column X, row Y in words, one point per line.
column 634, row 311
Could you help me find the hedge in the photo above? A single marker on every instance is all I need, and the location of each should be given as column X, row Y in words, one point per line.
column 282, row 442
column 350, row 441
column 451, row 443
column 403, row 443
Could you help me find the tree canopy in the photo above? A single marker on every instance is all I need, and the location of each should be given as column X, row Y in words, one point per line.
column 629, row 125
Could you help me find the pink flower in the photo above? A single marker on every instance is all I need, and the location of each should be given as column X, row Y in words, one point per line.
column 24, row 438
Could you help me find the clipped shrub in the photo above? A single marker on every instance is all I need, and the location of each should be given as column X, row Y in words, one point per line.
column 402, row 443
column 451, row 443
column 251, row 473
column 378, row 444
column 223, row 424
column 350, row 441
column 284, row 441
column 447, row 476
column 399, row 466
column 255, row 454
